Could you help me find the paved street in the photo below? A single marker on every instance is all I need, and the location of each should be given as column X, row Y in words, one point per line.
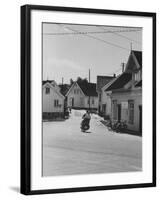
column 68, row 151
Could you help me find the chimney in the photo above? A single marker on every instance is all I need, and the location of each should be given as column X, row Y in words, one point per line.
column 114, row 75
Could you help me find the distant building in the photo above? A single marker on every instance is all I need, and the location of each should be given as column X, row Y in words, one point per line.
column 126, row 93
column 106, row 110
column 102, row 98
column 64, row 88
column 53, row 100
column 82, row 96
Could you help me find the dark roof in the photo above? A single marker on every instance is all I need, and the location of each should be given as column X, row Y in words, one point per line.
column 47, row 81
column 120, row 81
column 102, row 81
column 64, row 88
column 139, row 84
column 138, row 55
column 89, row 89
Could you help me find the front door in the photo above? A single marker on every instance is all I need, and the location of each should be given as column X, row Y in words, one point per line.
column 104, row 109
column 72, row 102
column 119, row 112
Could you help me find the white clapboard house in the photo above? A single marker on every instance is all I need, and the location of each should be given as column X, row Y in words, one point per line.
column 82, row 96
column 53, row 100
column 103, row 98
column 106, row 101
column 126, row 93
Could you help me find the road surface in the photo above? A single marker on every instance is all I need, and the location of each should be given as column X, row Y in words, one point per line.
column 68, row 151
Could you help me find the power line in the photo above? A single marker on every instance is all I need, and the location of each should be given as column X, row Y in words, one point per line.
column 115, row 71
column 98, row 39
column 130, row 39
column 92, row 32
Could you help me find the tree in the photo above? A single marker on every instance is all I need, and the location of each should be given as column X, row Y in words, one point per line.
column 81, row 80
column 71, row 81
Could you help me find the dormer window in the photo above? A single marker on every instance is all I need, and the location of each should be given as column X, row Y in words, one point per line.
column 137, row 76
column 47, row 90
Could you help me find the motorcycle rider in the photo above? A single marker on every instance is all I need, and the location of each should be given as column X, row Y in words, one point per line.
column 86, row 117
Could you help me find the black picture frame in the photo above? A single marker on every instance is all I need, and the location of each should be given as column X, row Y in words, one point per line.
column 25, row 182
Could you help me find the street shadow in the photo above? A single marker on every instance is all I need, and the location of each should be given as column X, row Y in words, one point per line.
column 15, row 189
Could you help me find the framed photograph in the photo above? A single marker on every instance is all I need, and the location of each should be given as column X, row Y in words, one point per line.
column 88, row 121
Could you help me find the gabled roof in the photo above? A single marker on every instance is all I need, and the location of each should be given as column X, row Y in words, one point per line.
column 134, row 61
column 89, row 89
column 72, row 86
column 102, row 81
column 53, row 82
column 120, row 81
column 109, row 83
column 48, row 84
column 138, row 55
column 47, row 81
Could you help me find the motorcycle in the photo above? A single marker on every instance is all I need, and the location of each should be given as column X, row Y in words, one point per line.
column 85, row 125
column 119, row 126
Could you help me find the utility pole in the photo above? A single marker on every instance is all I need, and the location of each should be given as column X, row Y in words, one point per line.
column 89, row 84
column 131, row 46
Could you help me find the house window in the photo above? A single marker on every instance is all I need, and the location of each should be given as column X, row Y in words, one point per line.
column 114, row 103
column 131, row 111
column 56, row 103
column 47, row 90
column 137, row 76
column 93, row 101
column 75, row 91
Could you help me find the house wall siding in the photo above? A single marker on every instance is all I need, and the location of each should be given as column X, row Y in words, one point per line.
column 136, row 96
column 95, row 105
column 79, row 98
column 48, row 102
column 106, row 100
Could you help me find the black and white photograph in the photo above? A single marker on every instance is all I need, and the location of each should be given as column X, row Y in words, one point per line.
column 91, row 99
column 79, row 100
column 88, row 118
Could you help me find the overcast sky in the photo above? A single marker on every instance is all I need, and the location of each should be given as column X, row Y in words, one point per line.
column 70, row 50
